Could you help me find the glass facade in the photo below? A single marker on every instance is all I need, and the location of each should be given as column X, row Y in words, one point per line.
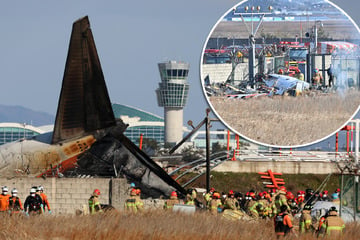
column 149, row 132
column 172, row 95
column 140, row 122
column 10, row 134
column 173, row 88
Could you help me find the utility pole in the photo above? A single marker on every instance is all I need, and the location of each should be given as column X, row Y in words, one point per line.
column 207, row 121
column 252, row 32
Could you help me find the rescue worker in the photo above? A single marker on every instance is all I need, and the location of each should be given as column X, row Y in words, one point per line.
column 133, row 204
column 208, row 196
column 33, row 204
column 169, row 204
column 330, row 73
column 15, row 205
column 139, row 202
column 300, row 199
column 335, row 198
column 4, row 200
column 230, row 201
column 310, row 197
column 190, row 197
column 334, row 224
column 280, row 199
column 299, row 75
column 253, row 207
column 239, row 200
column 44, row 198
column 223, row 197
column 291, row 202
column 37, row 195
column 305, row 222
column 321, row 229
column 336, row 194
column 94, row 203
column 282, row 222
column 215, row 204
column 325, row 196
column 131, row 187
column 263, row 205
column 317, row 78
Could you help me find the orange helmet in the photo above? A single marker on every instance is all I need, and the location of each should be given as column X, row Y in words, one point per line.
column 216, row 195
column 173, row 194
column 212, row 189
column 231, row 192
column 96, row 192
column 281, row 71
column 133, row 192
column 289, row 195
column 138, row 191
column 283, row 188
column 252, row 194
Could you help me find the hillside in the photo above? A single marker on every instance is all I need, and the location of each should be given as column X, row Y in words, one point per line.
column 20, row 114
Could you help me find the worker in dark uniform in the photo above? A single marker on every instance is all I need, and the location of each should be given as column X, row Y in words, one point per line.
column 33, row 203
column 283, row 224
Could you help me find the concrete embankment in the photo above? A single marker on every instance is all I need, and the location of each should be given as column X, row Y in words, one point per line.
column 288, row 167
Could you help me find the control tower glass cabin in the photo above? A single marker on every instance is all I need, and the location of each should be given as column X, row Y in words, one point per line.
column 172, row 95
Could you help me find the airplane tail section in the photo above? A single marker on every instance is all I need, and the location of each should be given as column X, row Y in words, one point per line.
column 84, row 104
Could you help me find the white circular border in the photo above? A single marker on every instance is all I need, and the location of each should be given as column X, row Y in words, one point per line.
column 243, row 136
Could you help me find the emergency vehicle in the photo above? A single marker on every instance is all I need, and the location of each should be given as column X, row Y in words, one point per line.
column 295, row 56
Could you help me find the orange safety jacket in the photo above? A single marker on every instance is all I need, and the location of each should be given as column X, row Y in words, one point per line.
column 4, row 202
column 45, row 201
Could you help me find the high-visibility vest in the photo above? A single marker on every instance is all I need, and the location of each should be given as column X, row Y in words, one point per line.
column 94, row 205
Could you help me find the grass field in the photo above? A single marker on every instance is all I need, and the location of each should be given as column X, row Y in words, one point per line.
column 150, row 225
column 243, row 182
column 287, row 121
column 167, row 225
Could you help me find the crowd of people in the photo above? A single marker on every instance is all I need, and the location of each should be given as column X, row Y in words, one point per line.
column 36, row 203
column 280, row 205
column 317, row 79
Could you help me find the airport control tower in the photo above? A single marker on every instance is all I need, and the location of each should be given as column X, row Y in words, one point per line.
column 172, row 95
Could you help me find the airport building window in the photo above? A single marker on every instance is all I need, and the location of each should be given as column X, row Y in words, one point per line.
column 10, row 134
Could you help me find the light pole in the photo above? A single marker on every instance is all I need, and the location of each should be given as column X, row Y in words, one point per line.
column 316, row 35
column 252, row 32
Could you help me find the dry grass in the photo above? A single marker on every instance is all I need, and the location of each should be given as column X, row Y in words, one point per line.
column 287, row 121
column 152, row 225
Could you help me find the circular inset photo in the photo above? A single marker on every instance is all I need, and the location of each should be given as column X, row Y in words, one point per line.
column 283, row 73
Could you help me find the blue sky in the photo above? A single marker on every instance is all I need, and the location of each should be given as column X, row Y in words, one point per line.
column 131, row 38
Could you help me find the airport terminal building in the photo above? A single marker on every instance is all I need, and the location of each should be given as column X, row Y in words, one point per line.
column 140, row 122
column 10, row 132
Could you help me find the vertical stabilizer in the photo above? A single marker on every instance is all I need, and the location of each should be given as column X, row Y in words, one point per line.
column 84, row 104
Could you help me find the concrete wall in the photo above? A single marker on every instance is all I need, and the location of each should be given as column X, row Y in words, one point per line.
column 219, row 73
column 295, row 167
column 68, row 194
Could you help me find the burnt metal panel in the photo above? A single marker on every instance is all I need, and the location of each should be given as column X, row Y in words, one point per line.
column 84, row 103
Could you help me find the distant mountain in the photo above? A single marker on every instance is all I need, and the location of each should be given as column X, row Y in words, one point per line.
column 20, row 114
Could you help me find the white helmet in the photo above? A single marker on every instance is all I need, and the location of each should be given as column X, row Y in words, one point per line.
column 14, row 192
column 33, row 190
column 41, row 188
column 5, row 189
